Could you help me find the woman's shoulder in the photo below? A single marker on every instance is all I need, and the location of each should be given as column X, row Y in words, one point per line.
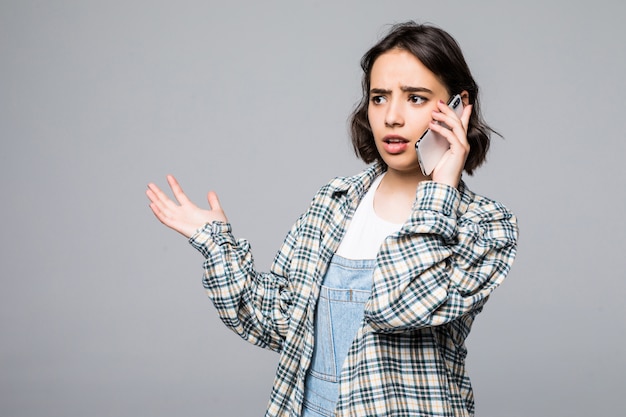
column 340, row 189
column 355, row 183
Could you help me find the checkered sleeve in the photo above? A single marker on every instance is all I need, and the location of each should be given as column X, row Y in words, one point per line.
column 444, row 263
column 253, row 304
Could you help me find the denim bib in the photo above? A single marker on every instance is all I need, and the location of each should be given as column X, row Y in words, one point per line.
column 339, row 314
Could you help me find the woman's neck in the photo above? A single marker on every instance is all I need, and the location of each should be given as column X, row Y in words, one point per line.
column 395, row 195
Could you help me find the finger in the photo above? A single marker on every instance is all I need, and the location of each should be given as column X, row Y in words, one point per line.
column 159, row 207
column 458, row 125
column 465, row 116
column 446, row 115
column 158, row 213
column 179, row 194
column 461, row 130
column 158, row 195
column 155, row 209
column 445, row 131
column 214, row 201
column 455, row 138
column 445, row 109
column 151, row 195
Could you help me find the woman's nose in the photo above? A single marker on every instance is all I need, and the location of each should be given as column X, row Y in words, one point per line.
column 394, row 116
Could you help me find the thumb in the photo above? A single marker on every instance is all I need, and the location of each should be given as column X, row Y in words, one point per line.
column 465, row 116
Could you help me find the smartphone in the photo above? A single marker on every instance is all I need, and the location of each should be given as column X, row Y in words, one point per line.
column 432, row 146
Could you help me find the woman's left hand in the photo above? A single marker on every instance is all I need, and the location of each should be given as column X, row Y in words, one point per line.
column 450, row 167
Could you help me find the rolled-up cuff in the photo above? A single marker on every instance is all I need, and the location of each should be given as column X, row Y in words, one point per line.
column 215, row 233
column 434, row 196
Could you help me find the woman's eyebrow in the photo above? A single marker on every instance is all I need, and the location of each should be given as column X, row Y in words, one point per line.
column 379, row 91
column 404, row 88
column 409, row 89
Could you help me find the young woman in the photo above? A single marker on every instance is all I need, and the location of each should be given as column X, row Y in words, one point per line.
column 375, row 288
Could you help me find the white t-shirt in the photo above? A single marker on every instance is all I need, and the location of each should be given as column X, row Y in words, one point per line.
column 367, row 230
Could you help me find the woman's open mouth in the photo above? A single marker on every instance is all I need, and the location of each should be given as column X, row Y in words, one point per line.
column 394, row 144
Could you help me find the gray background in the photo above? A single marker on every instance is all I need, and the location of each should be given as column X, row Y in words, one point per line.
column 102, row 312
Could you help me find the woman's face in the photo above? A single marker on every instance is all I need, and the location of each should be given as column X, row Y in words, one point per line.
column 403, row 95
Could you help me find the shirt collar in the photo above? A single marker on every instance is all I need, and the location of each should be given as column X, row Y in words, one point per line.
column 359, row 183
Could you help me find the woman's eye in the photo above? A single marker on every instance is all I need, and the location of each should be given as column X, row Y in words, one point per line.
column 416, row 99
column 378, row 99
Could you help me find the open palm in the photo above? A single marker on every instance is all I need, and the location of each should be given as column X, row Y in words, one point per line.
column 183, row 215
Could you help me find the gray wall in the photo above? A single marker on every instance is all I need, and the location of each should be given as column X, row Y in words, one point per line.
column 102, row 312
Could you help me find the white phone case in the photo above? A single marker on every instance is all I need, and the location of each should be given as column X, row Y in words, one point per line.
column 432, row 146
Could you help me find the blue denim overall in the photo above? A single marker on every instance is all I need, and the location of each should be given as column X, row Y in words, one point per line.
column 339, row 314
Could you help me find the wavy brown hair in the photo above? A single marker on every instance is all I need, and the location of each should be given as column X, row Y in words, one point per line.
column 441, row 54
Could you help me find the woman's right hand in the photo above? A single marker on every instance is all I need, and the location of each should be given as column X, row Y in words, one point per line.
column 185, row 217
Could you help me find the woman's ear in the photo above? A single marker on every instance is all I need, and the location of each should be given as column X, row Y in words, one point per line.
column 465, row 97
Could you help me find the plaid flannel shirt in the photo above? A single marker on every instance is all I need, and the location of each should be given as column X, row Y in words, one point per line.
column 432, row 278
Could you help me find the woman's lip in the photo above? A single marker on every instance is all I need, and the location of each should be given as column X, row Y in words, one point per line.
column 394, row 138
column 394, row 146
